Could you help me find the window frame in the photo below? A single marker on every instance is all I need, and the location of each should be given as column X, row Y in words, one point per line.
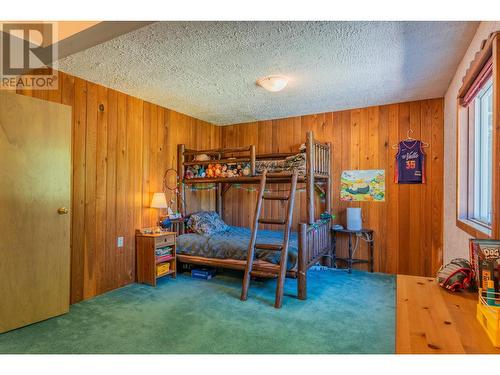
column 479, row 162
column 473, row 83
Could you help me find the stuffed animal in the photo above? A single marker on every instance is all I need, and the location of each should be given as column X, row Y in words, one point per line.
column 218, row 170
column 246, row 170
column 201, row 172
column 195, row 169
column 210, row 170
column 202, row 157
column 189, row 173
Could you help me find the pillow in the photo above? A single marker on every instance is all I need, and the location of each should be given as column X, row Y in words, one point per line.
column 207, row 223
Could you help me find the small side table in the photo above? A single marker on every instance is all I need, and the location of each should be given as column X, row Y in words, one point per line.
column 151, row 266
column 368, row 233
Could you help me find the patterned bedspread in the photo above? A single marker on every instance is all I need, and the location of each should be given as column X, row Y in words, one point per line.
column 233, row 244
column 282, row 165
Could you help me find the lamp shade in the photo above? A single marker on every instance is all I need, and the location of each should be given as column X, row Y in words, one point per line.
column 273, row 83
column 159, row 201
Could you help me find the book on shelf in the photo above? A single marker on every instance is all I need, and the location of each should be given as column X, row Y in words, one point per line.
column 164, row 258
column 163, row 251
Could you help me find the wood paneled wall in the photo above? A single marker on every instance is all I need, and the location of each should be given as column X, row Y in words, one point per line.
column 409, row 224
column 121, row 148
column 123, row 145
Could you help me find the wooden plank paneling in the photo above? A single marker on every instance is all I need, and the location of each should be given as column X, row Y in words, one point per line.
column 403, row 204
column 416, row 259
column 155, row 175
column 437, row 170
column 121, row 153
column 408, row 225
column 390, row 254
column 90, row 255
column 121, row 148
column 426, row 196
column 101, row 191
column 111, row 191
column 133, row 193
column 78, row 186
column 146, row 175
column 122, row 207
column 384, row 161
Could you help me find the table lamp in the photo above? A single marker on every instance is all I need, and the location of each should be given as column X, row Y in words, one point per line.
column 159, row 201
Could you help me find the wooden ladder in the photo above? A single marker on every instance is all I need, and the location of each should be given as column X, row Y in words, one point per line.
column 282, row 248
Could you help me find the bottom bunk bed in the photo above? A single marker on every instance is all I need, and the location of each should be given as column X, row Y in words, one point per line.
column 225, row 167
column 228, row 249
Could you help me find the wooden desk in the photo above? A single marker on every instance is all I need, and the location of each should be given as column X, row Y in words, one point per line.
column 431, row 320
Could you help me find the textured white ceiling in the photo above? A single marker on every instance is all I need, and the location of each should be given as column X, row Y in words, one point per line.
column 208, row 69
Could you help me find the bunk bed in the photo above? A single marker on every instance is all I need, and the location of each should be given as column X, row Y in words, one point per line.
column 312, row 240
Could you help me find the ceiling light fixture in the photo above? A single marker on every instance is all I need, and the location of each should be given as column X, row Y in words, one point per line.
column 273, row 83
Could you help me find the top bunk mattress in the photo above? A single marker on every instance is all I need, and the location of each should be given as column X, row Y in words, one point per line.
column 233, row 244
column 297, row 161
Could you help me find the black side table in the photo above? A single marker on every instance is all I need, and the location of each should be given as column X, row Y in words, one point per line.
column 368, row 233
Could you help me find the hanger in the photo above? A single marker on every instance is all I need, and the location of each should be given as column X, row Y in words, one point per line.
column 409, row 138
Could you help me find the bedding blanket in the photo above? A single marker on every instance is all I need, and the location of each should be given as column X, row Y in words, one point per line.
column 233, row 244
column 297, row 161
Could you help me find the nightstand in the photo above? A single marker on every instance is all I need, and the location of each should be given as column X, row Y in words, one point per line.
column 156, row 256
column 366, row 234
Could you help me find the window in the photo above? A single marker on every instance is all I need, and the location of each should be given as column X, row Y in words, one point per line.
column 481, row 210
column 475, row 195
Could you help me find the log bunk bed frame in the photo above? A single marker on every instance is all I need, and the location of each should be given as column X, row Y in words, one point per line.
column 314, row 237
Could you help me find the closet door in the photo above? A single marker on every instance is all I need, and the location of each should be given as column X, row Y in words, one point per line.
column 35, row 175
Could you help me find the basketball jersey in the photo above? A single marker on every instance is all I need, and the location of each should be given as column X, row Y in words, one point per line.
column 410, row 163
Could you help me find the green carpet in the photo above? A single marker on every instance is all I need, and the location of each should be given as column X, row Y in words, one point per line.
column 343, row 314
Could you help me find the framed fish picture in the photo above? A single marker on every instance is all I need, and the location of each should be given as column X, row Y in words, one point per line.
column 363, row 185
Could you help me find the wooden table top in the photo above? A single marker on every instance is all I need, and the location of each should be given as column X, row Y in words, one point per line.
column 431, row 320
column 344, row 230
column 139, row 233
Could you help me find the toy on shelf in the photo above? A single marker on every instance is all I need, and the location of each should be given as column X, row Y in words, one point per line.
column 485, row 260
column 490, row 294
column 488, row 312
column 202, row 157
column 218, row 170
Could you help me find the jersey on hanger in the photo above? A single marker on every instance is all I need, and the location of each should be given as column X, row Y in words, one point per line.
column 410, row 163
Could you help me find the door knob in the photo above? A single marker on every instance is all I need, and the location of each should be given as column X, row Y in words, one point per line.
column 62, row 211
